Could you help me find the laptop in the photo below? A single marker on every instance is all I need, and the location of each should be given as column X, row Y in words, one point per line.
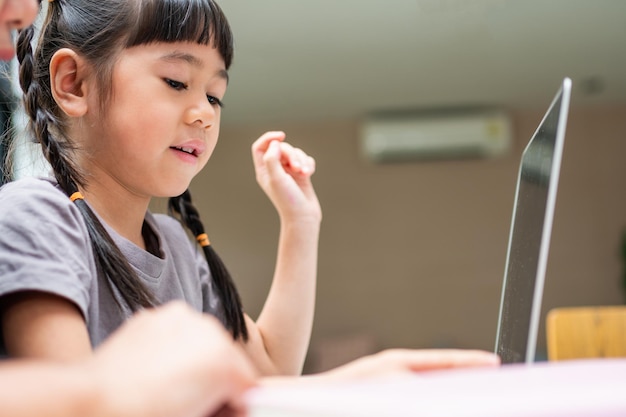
column 529, row 238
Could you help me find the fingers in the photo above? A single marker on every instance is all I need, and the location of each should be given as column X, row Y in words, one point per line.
column 293, row 160
column 423, row 360
column 407, row 360
column 296, row 160
column 271, row 149
column 284, row 174
column 261, row 145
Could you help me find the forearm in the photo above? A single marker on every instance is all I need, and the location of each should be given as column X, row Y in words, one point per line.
column 393, row 361
column 167, row 361
column 46, row 389
column 37, row 388
column 285, row 323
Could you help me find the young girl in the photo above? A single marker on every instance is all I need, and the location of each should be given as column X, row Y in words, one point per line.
column 125, row 98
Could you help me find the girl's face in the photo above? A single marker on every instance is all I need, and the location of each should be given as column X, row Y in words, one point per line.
column 14, row 14
column 162, row 122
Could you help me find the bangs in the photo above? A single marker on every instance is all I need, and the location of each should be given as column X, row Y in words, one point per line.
column 198, row 21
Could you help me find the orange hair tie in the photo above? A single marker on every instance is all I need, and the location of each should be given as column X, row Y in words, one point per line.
column 203, row 239
column 76, row 196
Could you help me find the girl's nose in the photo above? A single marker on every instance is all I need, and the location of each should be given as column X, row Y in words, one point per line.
column 201, row 113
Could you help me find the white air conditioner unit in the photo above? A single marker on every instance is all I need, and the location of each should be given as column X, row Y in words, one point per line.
column 436, row 135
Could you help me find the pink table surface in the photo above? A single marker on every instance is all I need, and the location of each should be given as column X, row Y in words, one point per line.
column 545, row 389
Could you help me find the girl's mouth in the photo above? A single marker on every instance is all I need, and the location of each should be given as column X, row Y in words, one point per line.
column 190, row 151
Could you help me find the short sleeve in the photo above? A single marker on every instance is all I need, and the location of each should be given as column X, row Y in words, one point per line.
column 44, row 244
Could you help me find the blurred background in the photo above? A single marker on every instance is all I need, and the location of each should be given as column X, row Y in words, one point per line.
column 412, row 253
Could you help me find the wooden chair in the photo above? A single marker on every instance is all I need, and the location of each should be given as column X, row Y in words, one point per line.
column 586, row 332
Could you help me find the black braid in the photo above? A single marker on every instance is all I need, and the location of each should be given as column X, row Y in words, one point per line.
column 108, row 257
column 56, row 153
column 227, row 292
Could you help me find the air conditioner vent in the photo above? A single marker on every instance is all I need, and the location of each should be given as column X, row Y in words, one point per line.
column 436, row 136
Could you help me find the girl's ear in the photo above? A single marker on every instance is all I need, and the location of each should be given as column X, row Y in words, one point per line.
column 68, row 82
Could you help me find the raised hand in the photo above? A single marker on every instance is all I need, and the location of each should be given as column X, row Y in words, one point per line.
column 284, row 173
column 279, row 338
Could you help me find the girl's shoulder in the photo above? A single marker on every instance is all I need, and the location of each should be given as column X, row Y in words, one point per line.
column 33, row 188
column 33, row 198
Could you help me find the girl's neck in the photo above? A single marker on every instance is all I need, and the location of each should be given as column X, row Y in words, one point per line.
column 119, row 208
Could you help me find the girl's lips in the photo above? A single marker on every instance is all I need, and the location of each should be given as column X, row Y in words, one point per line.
column 191, row 147
column 184, row 155
column 188, row 150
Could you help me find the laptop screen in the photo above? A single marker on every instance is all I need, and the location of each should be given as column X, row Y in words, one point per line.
column 529, row 239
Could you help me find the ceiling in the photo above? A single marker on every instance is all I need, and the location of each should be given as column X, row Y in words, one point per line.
column 299, row 60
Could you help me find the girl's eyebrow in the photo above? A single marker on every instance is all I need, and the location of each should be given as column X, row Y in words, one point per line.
column 192, row 60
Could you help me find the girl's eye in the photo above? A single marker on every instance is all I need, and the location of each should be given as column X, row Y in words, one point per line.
column 215, row 101
column 176, row 85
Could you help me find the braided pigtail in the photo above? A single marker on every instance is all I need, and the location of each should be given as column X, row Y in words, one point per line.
column 227, row 292
column 40, row 116
column 41, row 110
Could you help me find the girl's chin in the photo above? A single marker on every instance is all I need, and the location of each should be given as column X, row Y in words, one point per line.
column 173, row 191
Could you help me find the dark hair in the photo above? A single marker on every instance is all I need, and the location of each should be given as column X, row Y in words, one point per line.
column 98, row 31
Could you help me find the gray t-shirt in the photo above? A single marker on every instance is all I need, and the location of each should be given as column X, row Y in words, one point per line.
column 45, row 246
